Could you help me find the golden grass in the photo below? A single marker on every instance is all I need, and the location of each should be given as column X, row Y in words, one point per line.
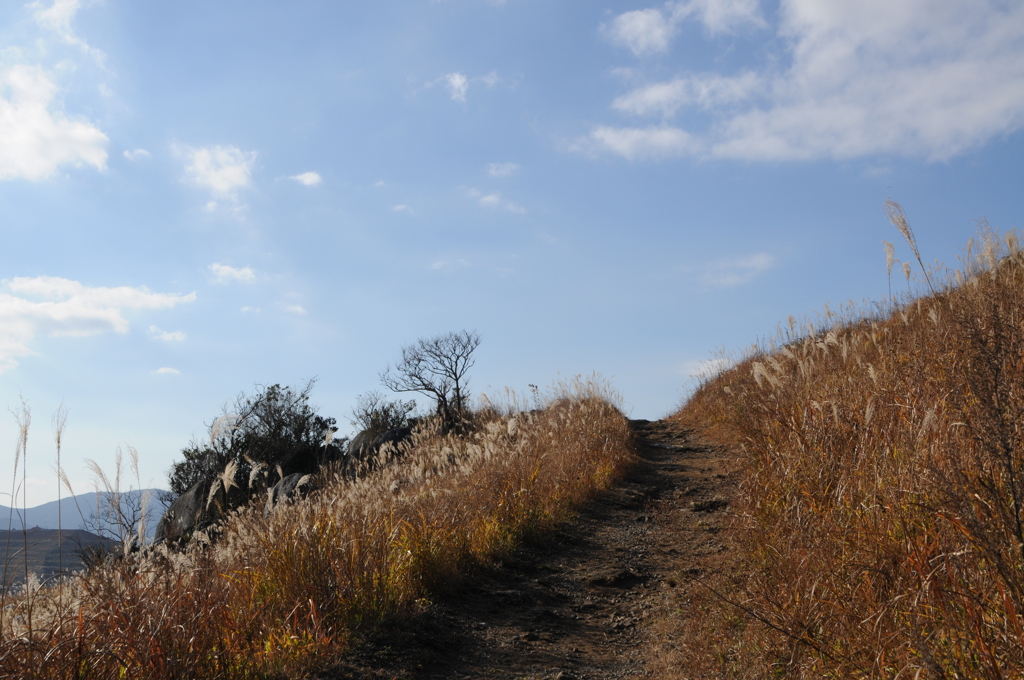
column 881, row 517
column 288, row 594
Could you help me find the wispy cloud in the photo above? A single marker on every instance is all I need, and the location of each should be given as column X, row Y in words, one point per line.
column 223, row 273
column 650, row 31
column 35, row 138
column 442, row 265
column 736, row 271
column 704, row 91
column 309, row 179
column 48, row 305
column 166, row 336
column 221, row 169
column 295, row 309
column 633, row 143
column 136, row 154
column 166, row 370
column 457, row 85
column 57, row 18
column 403, row 208
column 502, row 169
column 495, row 200
column 929, row 78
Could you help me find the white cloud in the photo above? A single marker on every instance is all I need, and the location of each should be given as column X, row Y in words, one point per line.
column 704, row 91
column 402, row 208
column 736, row 271
column 495, row 200
column 502, row 169
column 223, row 273
column 644, row 31
column 640, row 143
column 457, row 85
column 48, row 305
column 221, row 169
column 136, row 154
column 650, row 31
column 309, row 179
column 295, row 309
column 490, row 200
column 491, row 79
column 173, row 336
column 920, row 78
column 166, row 370
column 35, row 141
column 247, row 309
column 57, row 18
column 721, row 16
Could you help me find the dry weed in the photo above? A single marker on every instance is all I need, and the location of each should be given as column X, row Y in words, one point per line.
column 884, row 484
column 288, row 593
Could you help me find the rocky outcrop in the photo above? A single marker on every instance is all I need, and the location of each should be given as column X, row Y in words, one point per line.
column 191, row 511
column 287, row 490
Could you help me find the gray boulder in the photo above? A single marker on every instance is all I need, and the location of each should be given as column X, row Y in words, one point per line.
column 188, row 513
column 288, row 489
column 395, row 438
column 361, row 447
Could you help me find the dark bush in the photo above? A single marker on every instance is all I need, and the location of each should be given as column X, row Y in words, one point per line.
column 258, row 441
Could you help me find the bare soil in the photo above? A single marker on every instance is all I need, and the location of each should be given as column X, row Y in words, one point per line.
column 596, row 599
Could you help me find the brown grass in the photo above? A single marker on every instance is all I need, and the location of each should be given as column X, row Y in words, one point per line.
column 881, row 519
column 290, row 593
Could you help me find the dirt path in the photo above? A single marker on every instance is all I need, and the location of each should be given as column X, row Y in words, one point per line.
column 592, row 601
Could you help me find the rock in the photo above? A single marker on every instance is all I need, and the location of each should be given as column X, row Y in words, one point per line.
column 614, row 578
column 188, row 513
column 287, row 490
column 713, row 505
column 364, row 447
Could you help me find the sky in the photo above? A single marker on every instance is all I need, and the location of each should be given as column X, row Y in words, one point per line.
column 197, row 198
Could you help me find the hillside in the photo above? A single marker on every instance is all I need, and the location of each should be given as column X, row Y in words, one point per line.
column 49, row 552
column 881, row 513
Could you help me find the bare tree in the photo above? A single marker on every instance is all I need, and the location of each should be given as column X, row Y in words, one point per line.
column 437, row 367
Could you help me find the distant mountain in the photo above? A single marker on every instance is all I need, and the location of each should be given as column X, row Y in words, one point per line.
column 46, row 555
column 81, row 512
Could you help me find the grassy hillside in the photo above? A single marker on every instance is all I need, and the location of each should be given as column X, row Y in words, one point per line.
column 286, row 595
column 882, row 518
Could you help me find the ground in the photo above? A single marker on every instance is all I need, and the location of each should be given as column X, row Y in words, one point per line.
column 598, row 599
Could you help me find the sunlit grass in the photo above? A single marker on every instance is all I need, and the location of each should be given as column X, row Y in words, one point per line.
column 882, row 510
column 290, row 592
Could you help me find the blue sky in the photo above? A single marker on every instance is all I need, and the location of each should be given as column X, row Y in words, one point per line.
column 201, row 196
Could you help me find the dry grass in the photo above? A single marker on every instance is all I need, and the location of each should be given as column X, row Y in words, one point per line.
column 289, row 593
column 881, row 517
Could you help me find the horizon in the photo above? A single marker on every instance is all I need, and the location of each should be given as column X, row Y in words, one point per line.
column 199, row 199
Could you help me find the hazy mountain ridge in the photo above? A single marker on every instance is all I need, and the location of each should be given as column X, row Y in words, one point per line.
column 79, row 512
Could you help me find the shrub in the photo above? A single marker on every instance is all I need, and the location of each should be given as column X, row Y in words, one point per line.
column 376, row 415
column 272, row 433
